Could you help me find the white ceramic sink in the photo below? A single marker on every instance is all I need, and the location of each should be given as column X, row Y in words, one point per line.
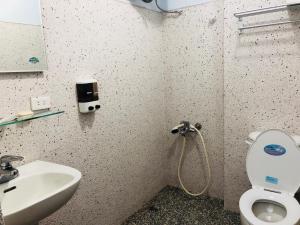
column 40, row 189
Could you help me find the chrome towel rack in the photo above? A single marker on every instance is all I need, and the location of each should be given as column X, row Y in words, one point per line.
column 255, row 12
column 261, row 11
column 269, row 24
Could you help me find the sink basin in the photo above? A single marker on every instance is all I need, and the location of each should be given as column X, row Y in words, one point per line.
column 40, row 189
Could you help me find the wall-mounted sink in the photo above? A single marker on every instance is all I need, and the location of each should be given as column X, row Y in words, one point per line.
column 40, row 189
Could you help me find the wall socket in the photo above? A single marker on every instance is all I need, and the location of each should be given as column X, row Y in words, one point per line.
column 40, row 103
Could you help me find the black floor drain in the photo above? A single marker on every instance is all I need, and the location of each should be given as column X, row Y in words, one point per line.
column 153, row 208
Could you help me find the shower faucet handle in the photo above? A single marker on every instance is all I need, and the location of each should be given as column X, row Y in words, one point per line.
column 198, row 126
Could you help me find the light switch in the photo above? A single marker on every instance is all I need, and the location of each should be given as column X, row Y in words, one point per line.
column 40, row 103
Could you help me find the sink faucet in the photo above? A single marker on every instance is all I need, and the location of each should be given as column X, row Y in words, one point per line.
column 7, row 171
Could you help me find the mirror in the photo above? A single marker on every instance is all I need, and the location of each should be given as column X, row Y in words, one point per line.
column 21, row 40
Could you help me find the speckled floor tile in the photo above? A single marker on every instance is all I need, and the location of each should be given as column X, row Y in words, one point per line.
column 173, row 207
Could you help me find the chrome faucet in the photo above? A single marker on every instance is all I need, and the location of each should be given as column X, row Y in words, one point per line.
column 7, row 171
column 185, row 127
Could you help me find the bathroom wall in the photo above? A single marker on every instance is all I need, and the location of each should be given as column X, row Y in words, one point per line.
column 261, row 86
column 120, row 150
column 194, row 91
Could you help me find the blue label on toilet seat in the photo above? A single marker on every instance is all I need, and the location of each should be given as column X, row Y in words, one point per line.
column 272, row 180
column 275, row 150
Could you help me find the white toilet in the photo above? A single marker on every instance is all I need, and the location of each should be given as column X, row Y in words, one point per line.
column 273, row 167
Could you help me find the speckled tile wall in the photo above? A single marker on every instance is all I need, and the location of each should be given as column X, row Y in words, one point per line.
column 194, row 90
column 121, row 149
column 261, row 86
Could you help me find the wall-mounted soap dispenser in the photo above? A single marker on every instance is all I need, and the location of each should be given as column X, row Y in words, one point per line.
column 87, row 95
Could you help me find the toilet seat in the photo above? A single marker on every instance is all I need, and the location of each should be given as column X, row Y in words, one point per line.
column 253, row 195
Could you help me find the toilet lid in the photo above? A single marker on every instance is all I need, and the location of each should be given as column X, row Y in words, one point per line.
column 273, row 162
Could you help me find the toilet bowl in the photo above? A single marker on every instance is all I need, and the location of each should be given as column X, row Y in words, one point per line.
column 273, row 169
column 260, row 207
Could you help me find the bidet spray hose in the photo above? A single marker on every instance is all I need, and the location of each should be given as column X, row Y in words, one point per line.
column 207, row 163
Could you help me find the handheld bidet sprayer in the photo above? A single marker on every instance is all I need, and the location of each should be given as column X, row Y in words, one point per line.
column 183, row 128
